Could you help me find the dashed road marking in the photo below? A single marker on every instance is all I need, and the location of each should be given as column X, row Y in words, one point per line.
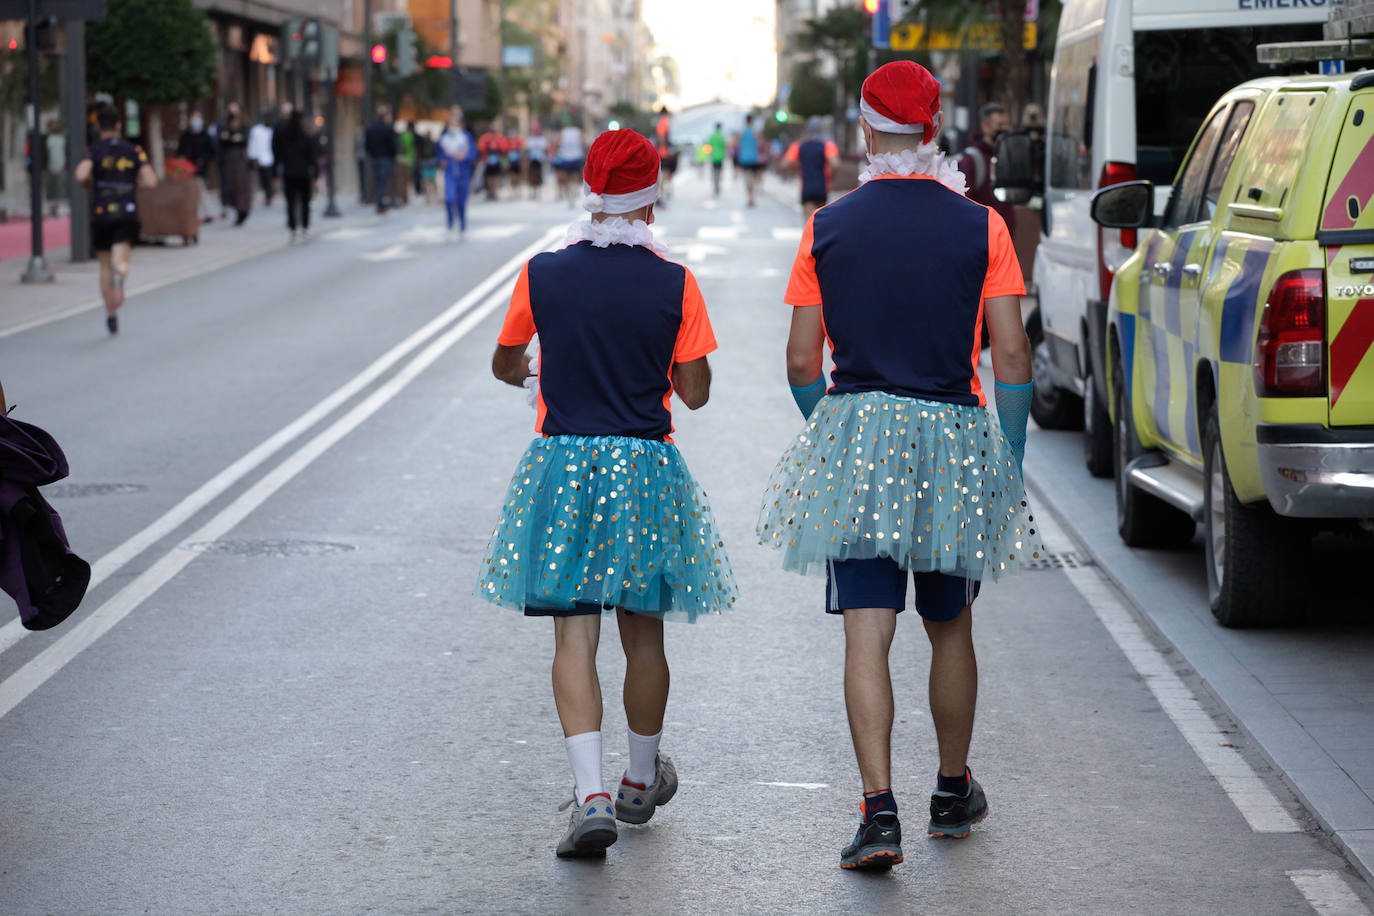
column 1328, row 893
column 718, row 233
column 1251, row 795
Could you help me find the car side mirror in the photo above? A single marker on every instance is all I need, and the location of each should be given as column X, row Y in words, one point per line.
column 1130, row 205
column 1014, row 171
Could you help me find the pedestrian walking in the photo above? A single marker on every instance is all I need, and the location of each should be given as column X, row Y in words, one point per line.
column 568, row 160
column 298, row 154
column 900, row 470
column 113, row 171
column 492, row 147
column 379, row 140
column 536, row 154
column 260, row 138
column 667, row 153
column 236, row 183
column 515, row 160
column 815, row 159
column 406, row 154
column 750, row 156
column 198, row 147
column 977, row 161
column 715, row 152
column 602, row 514
column 457, row 155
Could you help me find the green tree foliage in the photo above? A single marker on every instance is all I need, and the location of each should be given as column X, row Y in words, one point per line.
column 812, row 94
column 158, row 52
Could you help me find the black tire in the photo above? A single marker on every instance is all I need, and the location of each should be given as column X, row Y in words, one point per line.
column 1142, row 520
column 1051, row 407
column 1254, row 556
column 1097, row 432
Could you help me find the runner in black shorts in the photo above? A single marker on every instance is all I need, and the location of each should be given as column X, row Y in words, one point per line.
column 113, row 170
column 816, row 159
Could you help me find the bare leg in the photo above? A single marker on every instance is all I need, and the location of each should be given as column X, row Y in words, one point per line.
column 953, row 689
column 868, row 636
column 646, row 672
column 106, row 288
column 120, row 254
column 576, row 688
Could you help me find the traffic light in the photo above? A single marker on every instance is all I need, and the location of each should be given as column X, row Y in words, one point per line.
column 438, row 62
column 291, row 39
column 379, row 53
column 871, row 6
column 405, row 52
column 310, row 40
column 780, row 116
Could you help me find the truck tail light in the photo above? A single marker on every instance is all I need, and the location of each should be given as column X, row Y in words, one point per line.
column 1290, row 348
column 1110, row 254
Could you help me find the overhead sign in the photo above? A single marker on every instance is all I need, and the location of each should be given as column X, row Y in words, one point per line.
column 517, row 56
column 981, row 36
column 58, row 9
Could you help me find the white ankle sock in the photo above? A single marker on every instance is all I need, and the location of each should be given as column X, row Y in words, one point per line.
column 584, row 754
column 643, row 753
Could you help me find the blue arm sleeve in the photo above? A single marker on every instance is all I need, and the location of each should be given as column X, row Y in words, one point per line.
column 1013, row 410
column 807, row 398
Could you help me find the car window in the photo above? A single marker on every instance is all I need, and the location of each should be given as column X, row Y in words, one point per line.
column 1226, row 154
column 1192, row 181
column 1285, row 131
column 1071, row 145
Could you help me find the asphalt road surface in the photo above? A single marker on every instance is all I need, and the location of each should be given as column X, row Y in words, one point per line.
column 281, row 696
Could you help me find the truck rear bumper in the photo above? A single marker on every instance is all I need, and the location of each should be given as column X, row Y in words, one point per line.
column 1316, row 472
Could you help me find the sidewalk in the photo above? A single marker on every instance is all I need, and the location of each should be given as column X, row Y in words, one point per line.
column 15, row 240
column 76, row 286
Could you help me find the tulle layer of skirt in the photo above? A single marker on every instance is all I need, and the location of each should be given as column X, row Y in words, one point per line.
column 609, row 520
column 931, row 485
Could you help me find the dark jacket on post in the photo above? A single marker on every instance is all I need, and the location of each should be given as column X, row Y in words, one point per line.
column 37, row 568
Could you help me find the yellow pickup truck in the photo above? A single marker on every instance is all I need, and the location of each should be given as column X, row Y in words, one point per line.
column 1241, row 340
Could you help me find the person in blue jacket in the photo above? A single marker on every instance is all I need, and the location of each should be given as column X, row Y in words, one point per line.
column 457, row 154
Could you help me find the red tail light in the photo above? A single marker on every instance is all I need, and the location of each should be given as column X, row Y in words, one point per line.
column 1290, row 349
column 1113, row 173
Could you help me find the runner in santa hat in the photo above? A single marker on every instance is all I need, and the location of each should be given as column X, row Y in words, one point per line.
column 901, row 472
column 602, row 514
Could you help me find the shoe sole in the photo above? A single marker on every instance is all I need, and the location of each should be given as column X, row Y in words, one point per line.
column 951, row 832
column 878, row 858
column 592, row 843
column 640, row 815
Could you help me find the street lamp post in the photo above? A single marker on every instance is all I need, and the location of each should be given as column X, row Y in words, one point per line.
column 37, row 270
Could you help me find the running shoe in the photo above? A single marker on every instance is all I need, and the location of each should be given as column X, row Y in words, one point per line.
column 112, row 324
column 954, row 815
column 591, row 828
column 877, row 846
column 635, row 804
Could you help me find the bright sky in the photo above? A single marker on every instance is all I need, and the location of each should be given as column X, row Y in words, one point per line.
column 724, row 48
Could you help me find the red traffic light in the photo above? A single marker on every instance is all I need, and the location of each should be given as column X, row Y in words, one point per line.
column 439, row 62
column 14, row 44
column 871, row 6
column 379, row 54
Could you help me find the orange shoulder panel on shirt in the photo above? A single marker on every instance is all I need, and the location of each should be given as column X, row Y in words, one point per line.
column 518, row 328
column 831, row 150
column 695, row 338
column 793, row 153
column 803, row 287
column 1004, row 270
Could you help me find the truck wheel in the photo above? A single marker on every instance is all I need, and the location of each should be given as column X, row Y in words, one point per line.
column 1142, row 520
column 1254, row 556
column 1097, row 432
column 1051, row 407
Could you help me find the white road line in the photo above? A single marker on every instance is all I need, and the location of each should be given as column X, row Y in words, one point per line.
column 796, row 785
column 1251, row 795
column 1328, row 893
column 109, row 564
column 52, row 659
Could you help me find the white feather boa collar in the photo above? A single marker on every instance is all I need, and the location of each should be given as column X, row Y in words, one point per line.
column 926, row 159
column 615, row 230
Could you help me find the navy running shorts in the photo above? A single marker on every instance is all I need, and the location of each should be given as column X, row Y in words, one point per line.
column 880, row 582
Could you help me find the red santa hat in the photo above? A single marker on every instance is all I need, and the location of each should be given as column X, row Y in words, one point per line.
column 901, row 98
column 621, row 173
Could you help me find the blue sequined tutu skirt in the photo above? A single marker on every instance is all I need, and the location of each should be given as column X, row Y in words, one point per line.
column 933, row 486
column 607, row 520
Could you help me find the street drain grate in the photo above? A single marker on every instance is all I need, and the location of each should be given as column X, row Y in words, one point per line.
column 1067, row 559
column 288, row 547
column 78, row 490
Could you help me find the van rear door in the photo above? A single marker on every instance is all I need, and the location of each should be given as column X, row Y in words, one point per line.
column 1347, row 234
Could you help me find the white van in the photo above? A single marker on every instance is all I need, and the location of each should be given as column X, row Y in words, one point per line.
column 1132, row 82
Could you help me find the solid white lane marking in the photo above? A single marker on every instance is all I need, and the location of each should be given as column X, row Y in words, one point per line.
column 397, row 252
column 1328, row 893
column 107, row 565
column 1250, row 794
column 80, row 637
column 796, row 785
column 787, row 233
